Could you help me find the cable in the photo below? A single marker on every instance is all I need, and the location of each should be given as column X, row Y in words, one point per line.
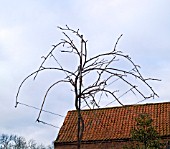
column 39, row 121
column 39, row 109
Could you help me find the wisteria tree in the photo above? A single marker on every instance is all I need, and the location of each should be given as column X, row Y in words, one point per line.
column 101, row 70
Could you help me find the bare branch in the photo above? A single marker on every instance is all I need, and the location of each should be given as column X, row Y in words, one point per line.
column 23, row 83
column 56, row 83
column 46, row 57
column 117, row 42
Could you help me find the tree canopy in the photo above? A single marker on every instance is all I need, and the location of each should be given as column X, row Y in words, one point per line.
column 144, row 134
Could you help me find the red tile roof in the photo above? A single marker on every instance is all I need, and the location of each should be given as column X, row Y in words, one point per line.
column 114, row 123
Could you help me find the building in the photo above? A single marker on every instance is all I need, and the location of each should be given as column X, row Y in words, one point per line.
column 110, row 127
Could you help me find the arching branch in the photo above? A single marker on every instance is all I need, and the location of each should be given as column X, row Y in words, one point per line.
column 54, row 84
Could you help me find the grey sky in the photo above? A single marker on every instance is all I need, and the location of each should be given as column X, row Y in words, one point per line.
column 29, row 28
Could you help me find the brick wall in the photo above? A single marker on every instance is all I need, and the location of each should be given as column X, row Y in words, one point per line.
column 98, row 145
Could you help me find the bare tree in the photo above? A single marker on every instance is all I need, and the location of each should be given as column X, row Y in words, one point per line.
column 5, row 141
column 101, row 66
column 18, row 142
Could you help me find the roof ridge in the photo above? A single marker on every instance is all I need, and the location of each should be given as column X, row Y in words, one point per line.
column 156, row 103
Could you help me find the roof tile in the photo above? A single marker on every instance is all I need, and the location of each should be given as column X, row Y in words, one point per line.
column 114, row 123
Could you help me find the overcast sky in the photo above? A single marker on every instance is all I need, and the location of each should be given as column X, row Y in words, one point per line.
column 29, row 28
